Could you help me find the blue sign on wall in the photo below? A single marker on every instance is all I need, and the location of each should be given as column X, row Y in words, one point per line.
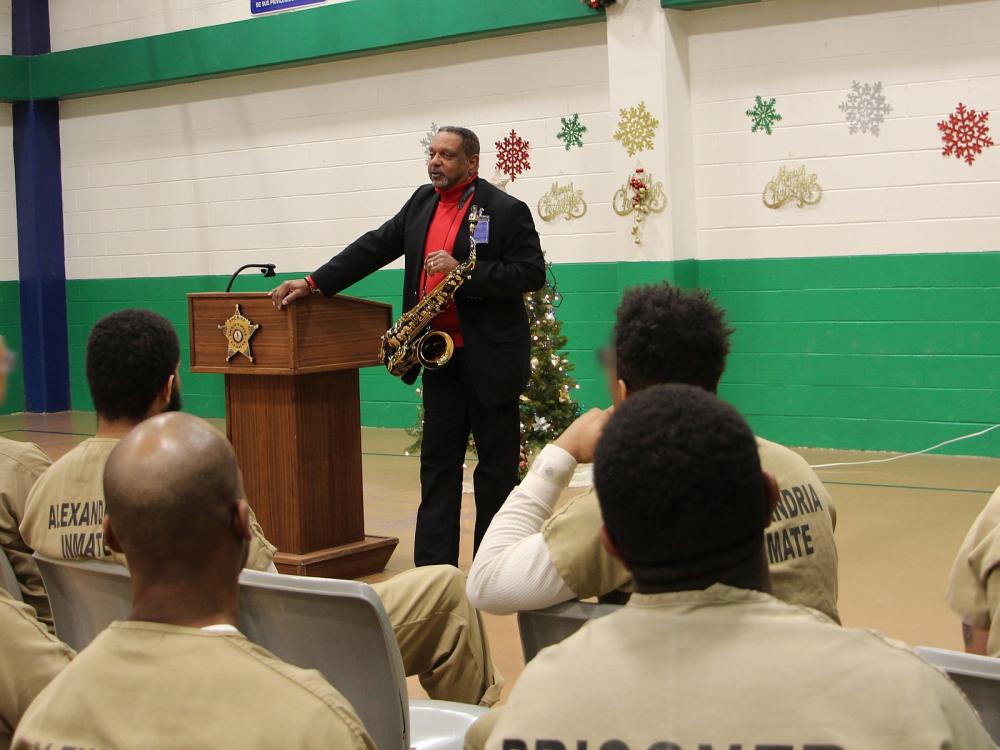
column 266, row 6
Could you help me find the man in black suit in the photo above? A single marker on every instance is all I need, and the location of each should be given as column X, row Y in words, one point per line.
column 479, row 388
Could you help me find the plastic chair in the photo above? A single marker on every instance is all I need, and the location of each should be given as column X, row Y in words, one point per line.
column 86, row 596
column 977, row 676
column 340, row 628
column 336, row 627
column 8, row 579
column 541, row 628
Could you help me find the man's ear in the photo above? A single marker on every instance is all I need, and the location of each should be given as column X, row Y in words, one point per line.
column 110, row 540
column 609, row 544
column 474, row 163
column 163, row 395
column 621, row 392
column 771, row 494
column 241, row 520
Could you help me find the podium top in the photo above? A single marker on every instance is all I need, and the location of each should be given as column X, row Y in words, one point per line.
column 315, row 334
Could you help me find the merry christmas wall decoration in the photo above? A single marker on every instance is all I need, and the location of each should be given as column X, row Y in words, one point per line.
column 792, row 185
column 763, row 115
column 965, row 134
column 562, row 200
column 512, row 155
column 640, row 196
column 636, row 128
column 571, row 133
column 865, row 108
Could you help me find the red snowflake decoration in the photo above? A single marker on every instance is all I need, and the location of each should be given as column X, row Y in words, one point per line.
column 512, row 155
column 965, row 133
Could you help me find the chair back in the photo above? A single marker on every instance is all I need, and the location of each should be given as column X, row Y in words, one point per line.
column 541, row 628
column 340, row 629
column 977, row 676
column 7, row 578
column 86, row 596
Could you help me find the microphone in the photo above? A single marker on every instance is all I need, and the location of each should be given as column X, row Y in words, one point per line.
column 266, row 270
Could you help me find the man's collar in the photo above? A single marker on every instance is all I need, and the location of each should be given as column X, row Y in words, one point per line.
column 452, row 194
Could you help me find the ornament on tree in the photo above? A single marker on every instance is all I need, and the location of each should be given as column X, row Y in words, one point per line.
column 572, row 131
column 641, row 196
column 636, row 128
column 966, row 133
column 763, row 116
column 512, row 155
column 426, row 140
column 865, row 108
column 561, row 200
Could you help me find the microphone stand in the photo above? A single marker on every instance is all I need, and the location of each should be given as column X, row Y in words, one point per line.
column 266, row 270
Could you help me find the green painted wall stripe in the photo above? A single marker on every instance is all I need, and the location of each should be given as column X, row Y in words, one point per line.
column 10, row 329
column 699, row 4
column 327, row 33
column 14, row 79
column 873, row 352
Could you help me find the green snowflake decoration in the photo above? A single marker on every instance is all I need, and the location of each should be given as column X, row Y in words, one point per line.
column 763, row 116
column 572, row 131
column 635, row 128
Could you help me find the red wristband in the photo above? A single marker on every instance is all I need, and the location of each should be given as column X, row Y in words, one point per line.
column 312, row 283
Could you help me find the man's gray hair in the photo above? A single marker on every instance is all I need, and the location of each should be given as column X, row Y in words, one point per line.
column 470, row 141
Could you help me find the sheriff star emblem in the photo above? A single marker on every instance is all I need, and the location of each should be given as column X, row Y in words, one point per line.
column 238, row 331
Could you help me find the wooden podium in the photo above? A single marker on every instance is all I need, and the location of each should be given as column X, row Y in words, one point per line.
column 293, row 414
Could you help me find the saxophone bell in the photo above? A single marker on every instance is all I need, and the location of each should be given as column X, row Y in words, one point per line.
column 434, row 349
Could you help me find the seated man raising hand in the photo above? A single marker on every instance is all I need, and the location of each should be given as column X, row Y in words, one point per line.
column 703, row 656
column 531, row 558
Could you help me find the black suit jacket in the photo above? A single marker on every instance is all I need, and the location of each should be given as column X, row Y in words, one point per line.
column 490, row 304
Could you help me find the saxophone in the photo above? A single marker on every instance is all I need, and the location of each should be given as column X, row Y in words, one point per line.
column 409, row 342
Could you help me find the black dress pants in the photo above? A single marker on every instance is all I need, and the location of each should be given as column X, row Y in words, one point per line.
column 451, row 410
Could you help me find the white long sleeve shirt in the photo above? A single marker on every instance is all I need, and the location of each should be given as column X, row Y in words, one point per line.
column 513, row 570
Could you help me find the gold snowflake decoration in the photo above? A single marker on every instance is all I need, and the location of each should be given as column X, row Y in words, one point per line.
column 635, row 128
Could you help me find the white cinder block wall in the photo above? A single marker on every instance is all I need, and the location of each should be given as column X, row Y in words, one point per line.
column 8, row 214
column 894, row 193
column 289, row 166
column 5, row 38
column 81, row 23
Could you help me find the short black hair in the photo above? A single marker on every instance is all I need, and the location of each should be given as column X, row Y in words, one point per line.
column 130, row 356
column 679, row 479
column 664, row 334
column 470, row 141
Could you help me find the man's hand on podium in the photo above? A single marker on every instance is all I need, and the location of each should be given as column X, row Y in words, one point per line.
column 288, row 291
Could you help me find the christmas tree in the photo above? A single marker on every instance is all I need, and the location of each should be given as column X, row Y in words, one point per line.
column 547, row 406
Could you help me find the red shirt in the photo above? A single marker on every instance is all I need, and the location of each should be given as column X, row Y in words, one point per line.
column 441, row 235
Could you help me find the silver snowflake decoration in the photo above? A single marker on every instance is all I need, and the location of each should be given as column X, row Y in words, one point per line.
column 865, row 108
column 428, row 137
column 541, row 424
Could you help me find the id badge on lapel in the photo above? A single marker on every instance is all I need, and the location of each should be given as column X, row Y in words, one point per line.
column 481, row 234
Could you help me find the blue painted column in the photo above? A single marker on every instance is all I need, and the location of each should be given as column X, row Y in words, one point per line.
column 40, row 238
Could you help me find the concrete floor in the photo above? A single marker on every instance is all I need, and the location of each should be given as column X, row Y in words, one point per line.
column 899, row 526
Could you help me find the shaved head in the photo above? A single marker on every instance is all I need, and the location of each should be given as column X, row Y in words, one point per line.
column 172, row 487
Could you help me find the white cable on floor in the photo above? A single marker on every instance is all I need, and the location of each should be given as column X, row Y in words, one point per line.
column 907, row 455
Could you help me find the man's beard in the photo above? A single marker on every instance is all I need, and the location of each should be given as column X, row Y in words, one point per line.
column 174, row 404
